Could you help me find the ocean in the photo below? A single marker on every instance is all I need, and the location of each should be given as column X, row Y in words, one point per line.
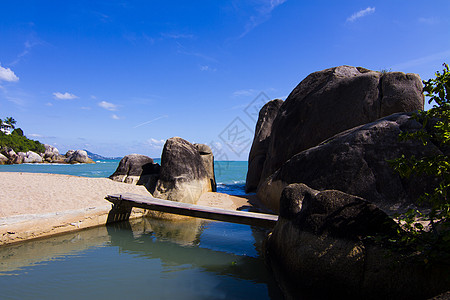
column 141, row 259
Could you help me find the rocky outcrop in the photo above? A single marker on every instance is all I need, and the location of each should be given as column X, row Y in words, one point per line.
column 78, row 156
column 333, row 100
column 30, row 157
column 356, row 162
column 51, row 155
column 320, row 248
column 183, row 176
column 137, row 169
column 258, row 152
column 207, row 157
column 3, row 159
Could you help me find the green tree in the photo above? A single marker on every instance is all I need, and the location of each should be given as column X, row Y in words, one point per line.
column 433, row 242
column 10, row 121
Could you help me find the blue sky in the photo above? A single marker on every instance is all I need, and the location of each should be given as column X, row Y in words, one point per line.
column 120, row 77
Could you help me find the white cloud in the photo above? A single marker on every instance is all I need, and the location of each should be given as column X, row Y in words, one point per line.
column 429, row 21
column 177, row 36
column 362, row 13
column 115, row 117
column 49, row 104
column 35, row 135
column 65, row 96
column 206, row 68
column 108, row 106
column 264, row 10
column 6, row 74
column 151, row 121
column 435, row 57
column 155, row 144
column 245, row 93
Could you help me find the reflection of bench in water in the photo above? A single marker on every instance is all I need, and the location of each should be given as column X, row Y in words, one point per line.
column 124, row 202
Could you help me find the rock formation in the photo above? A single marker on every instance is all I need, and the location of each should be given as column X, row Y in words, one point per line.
column 356, row 162
column 207, row 157
column 333, row 100
column 78, row 156
column 319, row 249
column 51, row 155
column 3, row 159
column 183, row 176
column 30, row 157
column 137, row 169
column 258, row 152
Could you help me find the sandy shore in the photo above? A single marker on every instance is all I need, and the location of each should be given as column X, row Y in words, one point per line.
column 37, row 205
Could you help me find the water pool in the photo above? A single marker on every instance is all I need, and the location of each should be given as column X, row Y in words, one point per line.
column 141, row 259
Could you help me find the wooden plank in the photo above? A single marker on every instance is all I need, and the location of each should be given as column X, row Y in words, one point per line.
column 193, row 210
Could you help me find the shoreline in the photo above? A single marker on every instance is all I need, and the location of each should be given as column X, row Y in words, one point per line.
column 37, row 205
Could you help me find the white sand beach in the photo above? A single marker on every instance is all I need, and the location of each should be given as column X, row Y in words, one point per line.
column 36, row 205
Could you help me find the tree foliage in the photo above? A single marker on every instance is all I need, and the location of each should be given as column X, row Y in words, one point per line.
column 433, row 239
column 10, row 121
column 20, row 143
column 17, row 141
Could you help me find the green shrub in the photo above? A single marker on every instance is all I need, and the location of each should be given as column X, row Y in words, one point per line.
column 433, row 242
column 20, row 143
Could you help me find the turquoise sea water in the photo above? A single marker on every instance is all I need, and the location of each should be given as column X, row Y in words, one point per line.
column 141, row 259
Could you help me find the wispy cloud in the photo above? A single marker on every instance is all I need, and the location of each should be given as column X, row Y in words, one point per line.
column 177, row 36
column 440, row 56
column 206, row 68
column 151, row 121
column 155, row 144
column 108, row 106
column 360, row 14
column 32, row 41
column 263, row 13
column 183, row 50
column 115, row 117
column 65, row 96
column 6, row 74
column 246, row 93
column 429, row 21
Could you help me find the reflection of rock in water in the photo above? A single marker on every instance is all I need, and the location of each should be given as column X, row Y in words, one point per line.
column 259, row 234
column 16, row 256
column 175, row 245
column 185, row 232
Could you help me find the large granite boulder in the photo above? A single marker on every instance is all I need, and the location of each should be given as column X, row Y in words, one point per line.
column 321, row 248
column 78, row 156
column 183, row 176
column 356, row 162
column 52, row 155
column 207, row 157
column 10, row 155
column 69, row 153
column 30, row 157
column 3, row 159
column 258, row 152
column 333, row 100
column 137, row 169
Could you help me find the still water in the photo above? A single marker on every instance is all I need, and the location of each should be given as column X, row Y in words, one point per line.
column 141, row 259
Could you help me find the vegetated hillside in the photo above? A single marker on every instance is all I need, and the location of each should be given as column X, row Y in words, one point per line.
column 20, row 143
